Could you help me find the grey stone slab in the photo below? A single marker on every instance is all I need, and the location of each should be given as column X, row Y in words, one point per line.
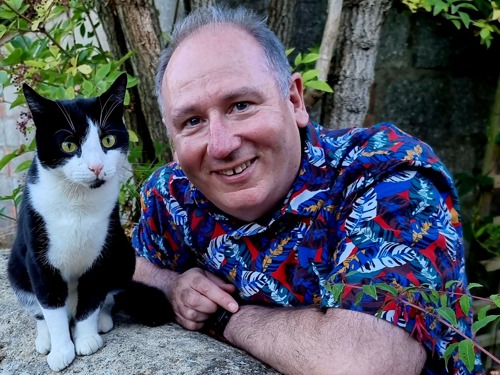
column 129, row 349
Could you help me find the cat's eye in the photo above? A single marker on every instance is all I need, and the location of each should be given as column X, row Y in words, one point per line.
column 108, row 141
column 69, row 147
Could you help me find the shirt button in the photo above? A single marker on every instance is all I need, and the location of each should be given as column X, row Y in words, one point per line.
column 236, row 236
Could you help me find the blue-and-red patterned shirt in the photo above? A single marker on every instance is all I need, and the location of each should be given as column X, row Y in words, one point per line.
column 368, row 206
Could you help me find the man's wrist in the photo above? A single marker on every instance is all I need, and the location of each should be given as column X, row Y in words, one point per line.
column 217, row 323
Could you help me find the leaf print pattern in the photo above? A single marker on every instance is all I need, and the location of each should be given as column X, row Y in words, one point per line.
column 368, row 206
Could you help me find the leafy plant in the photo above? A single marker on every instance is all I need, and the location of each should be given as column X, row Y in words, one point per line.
column 304, row 63
column 54, row 47
column 482, row 15
column 437, row 305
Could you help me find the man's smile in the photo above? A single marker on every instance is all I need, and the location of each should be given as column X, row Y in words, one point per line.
column 237, row 170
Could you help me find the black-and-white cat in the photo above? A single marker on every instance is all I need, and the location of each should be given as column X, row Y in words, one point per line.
column 71, row 253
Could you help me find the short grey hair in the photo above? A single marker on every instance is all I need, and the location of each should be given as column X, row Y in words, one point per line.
column 242, row 18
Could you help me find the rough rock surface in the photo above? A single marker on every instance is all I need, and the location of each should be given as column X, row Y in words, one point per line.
column 129, row 349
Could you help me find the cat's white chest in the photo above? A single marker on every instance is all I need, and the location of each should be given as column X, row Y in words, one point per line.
column 76, row 223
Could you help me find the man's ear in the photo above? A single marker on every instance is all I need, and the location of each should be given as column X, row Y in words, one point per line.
column 297, row 100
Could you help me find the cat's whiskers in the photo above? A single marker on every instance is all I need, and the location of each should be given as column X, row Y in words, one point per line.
column 66, row 115
column 114, row 104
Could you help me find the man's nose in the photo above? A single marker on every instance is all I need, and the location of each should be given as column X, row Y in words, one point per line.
column 223, row 140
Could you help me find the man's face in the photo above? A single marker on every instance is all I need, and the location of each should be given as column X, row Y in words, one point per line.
column 236, row 138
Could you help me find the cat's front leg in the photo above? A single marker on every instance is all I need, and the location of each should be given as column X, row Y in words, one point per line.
column 86, row 336
column 62, row 351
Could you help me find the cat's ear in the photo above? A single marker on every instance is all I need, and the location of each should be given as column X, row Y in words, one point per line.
column 116, row 92
column 36, row 103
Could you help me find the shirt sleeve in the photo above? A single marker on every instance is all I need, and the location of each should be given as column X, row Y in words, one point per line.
column 402, row 232
column 157, row 236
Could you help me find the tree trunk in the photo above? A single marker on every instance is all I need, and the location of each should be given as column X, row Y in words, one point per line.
column 282, row 19
column 354, row 67
column 125, row 33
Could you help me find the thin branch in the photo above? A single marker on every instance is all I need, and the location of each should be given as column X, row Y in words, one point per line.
column 326, row 49
column 94, row 29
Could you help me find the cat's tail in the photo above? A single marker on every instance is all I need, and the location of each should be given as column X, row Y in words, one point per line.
column 145, row 304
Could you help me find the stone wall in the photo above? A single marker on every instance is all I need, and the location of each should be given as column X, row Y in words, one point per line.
column 438, row 84
column 10, row 140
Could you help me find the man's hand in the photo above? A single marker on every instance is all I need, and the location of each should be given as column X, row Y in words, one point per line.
column 196, row 294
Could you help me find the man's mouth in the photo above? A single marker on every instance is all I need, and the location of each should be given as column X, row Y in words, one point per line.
column 240, row 168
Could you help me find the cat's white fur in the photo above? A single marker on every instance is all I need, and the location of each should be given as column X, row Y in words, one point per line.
column 76, row 218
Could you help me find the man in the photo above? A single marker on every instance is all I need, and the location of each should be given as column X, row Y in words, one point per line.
column 265, row 212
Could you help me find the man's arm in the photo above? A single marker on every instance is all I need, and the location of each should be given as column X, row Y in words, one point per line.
column 194, row 294
column 300, row 340
column 309, row 341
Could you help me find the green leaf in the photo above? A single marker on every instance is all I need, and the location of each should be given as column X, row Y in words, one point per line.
column 465, row 304
column 23, row 166
column 450, row 283
column 443, row 299
column 337, row 290
column 371, row 291
column 482, row 313
column 3, row 30
column 448, row 314
column 496, row 299
column 309, row 75
column 466, row 353
column 134, row 138
column 298, row 60
column 434, row 296
column 14, row 58
column 457, row 24
column 474, row 285
column 449, row 351
column 483, row 322
column 484, row 33
column 439, row 7
column 319, row 85
column 359, row 297
column 7, row 158
column 102, row 72
column 310, row 57
column 387, row 288
column 35, row 63
column 84, row 69
column 465, row 18
column 17, row 101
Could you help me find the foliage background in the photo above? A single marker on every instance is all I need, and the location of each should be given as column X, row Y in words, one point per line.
column 433, row 76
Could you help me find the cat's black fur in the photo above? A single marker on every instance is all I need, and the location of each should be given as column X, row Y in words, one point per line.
column 56, row 264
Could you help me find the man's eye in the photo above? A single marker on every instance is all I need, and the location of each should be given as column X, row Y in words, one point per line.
column 193, row 121
column 241, row 106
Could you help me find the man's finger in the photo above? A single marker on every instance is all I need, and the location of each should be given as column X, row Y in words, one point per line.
column 215, row 293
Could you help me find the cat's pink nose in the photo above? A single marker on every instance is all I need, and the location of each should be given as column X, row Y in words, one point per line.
column 96, row 169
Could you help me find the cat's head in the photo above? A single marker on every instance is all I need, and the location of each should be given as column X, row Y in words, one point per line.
column 84, row 141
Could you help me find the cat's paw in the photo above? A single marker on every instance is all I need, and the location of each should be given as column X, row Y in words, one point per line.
column 88, row 344
column 60, row 359
column 105, row 322
column 42, row 342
